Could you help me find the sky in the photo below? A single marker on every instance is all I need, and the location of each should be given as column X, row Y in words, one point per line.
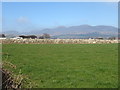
column 27, row 16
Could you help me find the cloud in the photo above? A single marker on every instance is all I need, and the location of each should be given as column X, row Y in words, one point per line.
column 23, row 24
column 23, row 20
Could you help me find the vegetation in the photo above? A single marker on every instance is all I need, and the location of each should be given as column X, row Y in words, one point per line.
column 2, row 36
column 10, row 80
column 66, row 65
column 44, row 36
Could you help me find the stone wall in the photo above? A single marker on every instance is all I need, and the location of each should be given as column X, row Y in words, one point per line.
column 56, row 41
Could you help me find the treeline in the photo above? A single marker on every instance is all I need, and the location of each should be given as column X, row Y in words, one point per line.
column 47, row 36
column 44, row 36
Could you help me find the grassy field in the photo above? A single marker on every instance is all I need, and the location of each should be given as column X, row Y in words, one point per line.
column 66, row 65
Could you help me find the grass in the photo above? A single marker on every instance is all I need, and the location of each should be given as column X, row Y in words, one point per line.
column 66, row 65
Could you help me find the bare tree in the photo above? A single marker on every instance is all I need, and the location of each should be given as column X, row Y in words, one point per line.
column 45, row 35
column 41, row 37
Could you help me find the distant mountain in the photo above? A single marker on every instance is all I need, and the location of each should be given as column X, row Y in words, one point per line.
column 82, row 29
column 80, row 36
column 11, row 32
column 74, row 31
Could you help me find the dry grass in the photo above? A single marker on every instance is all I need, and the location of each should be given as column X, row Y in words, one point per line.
column 11, row 80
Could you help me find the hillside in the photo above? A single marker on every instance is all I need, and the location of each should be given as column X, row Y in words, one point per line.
column 81, row 31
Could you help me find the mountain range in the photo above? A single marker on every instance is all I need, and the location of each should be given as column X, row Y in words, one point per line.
column 101, row 30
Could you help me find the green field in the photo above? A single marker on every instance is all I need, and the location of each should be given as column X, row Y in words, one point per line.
column 66, row 65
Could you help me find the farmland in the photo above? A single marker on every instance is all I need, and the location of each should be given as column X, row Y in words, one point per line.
column 66, row 65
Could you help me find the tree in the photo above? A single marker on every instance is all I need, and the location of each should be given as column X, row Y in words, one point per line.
column 41, row 37
column 2, row 35
column 30, row 36
column 45, row 35
column 112, row 38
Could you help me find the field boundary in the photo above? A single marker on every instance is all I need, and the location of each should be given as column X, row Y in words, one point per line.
column 56, row 41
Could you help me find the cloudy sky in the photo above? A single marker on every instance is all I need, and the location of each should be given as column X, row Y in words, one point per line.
column 26, row 16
